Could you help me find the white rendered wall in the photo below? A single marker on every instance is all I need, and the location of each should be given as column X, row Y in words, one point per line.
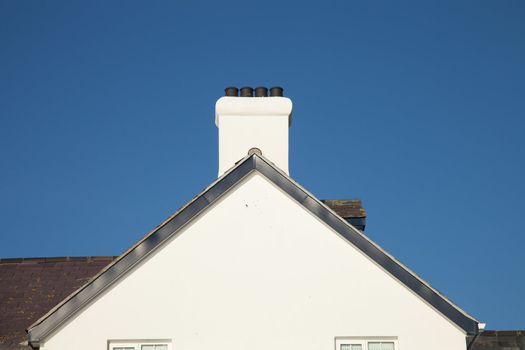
column 253, row 122
column 258, row 272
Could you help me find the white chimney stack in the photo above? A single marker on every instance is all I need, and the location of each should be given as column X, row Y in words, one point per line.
column 248, row 122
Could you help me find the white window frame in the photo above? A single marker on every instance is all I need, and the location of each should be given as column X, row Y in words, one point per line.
column 363, row 341
column 136, row 343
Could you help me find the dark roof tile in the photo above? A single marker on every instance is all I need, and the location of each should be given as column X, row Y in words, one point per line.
column 346, row 208
column 500, row 340
column 30, row 287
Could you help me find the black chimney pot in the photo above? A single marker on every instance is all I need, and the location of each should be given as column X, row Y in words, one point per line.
column 276, row 91
column 231, row 91
column 261, row 91
column 246, row 92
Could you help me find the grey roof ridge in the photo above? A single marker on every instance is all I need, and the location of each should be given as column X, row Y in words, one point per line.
column 210, row 194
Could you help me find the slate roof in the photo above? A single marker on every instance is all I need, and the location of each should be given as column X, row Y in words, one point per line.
column 42, row 328
column 500, row 340
column 31, row 287
column 349, row 209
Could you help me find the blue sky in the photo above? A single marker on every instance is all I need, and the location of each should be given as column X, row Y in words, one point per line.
column 417, row 108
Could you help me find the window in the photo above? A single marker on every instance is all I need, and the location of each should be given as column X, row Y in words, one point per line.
column 139, row 345
column 351, row 347
column 384, row 345
column 366, row 343
column 154, row 347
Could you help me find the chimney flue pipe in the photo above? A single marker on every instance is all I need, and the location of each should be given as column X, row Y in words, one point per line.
column 261, row 91
column 276, row 91
column 231, row 91
column 246, row 92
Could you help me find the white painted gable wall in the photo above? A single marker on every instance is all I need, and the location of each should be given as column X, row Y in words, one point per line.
column 257, row 272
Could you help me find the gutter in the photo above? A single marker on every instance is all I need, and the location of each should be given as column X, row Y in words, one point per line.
column 481, row 328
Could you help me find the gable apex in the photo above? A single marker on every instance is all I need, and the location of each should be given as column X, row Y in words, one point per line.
column 45, row 326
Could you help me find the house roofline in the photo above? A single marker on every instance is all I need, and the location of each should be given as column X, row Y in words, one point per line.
column 47, row 324
column 57, row 259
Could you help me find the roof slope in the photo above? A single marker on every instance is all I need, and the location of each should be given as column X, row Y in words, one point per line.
column 76, row 301
column 30, row 287
column 504, row 340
